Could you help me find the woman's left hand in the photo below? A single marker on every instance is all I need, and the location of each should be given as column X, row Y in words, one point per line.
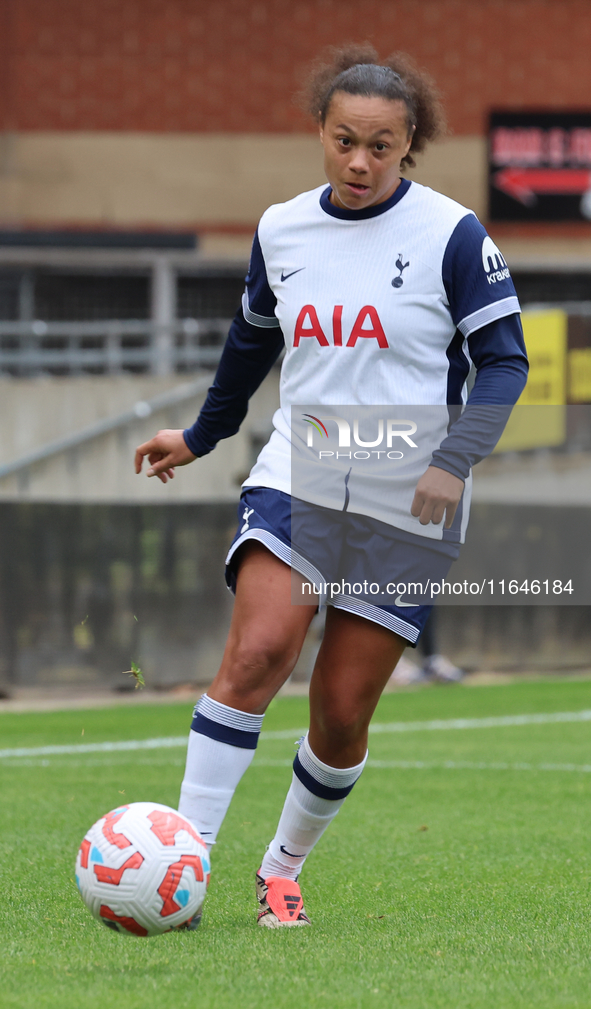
column 437, row 494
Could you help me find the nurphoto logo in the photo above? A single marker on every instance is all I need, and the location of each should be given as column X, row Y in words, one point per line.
column 387, row 430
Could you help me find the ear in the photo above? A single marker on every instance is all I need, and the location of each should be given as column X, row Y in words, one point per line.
column 321, row 132
column 408, row 143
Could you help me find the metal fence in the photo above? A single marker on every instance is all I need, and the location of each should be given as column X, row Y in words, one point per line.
column 109, row 347
column 84, row 313
column 66, row 312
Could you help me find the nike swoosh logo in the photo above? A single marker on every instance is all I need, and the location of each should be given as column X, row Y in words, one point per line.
column 286, row 276
column 281, row 849
column 398, row 602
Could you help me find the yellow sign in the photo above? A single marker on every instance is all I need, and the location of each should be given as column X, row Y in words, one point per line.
column 579, row 375
column 546, row 342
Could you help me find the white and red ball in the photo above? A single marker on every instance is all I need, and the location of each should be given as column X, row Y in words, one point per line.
column 143, row 869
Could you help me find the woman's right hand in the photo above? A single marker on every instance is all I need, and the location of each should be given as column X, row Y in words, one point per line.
column 165, row 451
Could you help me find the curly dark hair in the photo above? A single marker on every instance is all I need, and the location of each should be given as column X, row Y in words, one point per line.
column 357, row 70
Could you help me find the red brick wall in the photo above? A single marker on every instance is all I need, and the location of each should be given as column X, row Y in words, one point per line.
column 225, row 65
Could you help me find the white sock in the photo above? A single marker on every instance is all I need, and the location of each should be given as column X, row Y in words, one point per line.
column 307, row 812
column 222, row 742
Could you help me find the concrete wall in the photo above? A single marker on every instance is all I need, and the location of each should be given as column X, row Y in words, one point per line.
column 218, row 185
column 36, row 412
column 189, row 181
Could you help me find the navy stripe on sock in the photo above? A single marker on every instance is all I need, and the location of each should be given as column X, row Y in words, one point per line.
column 224, row 733
column 316, row 787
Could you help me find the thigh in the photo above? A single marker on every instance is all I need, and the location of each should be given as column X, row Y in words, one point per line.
column 266, row 633
column 354, row 664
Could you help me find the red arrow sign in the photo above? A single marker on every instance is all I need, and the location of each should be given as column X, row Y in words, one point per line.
column 524, row 184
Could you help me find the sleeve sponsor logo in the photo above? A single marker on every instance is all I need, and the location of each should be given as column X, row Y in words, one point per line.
column 493, row 262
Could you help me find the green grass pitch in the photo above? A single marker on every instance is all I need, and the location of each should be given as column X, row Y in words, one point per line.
column 455, row 877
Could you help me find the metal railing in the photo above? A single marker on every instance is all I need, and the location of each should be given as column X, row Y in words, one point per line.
column 115, row 346
column 109, row 347
column 139, row 411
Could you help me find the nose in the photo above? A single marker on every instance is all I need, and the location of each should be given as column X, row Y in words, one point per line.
column 359, row 161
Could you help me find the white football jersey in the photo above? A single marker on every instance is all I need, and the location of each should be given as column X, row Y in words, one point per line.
column 376, row 307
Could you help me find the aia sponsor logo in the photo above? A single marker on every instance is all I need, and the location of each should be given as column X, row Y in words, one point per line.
column 367, row 326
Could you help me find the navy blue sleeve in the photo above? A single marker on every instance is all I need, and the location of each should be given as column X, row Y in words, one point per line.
column 259, row 302
column 254, row 343
column 476, row 278
column 500, row 358
column 498, row 352
column 248, row 355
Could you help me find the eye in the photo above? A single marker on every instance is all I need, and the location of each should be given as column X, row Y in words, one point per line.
column 381, row 147
column 344, row 141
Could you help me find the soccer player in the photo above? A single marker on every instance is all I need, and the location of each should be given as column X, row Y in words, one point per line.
column 381, row 291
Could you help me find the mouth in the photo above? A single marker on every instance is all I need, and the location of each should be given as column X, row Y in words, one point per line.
column 357, row 187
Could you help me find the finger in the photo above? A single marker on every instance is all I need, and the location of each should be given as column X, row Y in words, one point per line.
column 138, row 460
column 161, row 465
column 450, row 513
column 437, row 512
column 164, row 476
column 426, row 513
column 141, row 451
column 432, row 511
column 417, row 505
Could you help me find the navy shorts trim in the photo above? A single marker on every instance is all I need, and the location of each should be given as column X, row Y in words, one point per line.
column 266, row 515
column 386, row 618
column 277, row 547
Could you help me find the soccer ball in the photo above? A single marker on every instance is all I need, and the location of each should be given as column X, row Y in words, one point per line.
column 143, row 869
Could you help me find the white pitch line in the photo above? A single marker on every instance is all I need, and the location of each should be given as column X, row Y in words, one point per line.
column 448, row 765
column 396, row 765
column 162, row 743
column 493, row 722
column 437, row 725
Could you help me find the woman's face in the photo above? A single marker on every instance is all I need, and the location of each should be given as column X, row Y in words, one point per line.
column 364, row 141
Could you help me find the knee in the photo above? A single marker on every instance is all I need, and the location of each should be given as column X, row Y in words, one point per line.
column 342, row 724
column 262, row 655
column 253, row 663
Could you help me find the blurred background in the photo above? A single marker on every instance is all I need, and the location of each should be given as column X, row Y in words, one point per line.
column 140, row 141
